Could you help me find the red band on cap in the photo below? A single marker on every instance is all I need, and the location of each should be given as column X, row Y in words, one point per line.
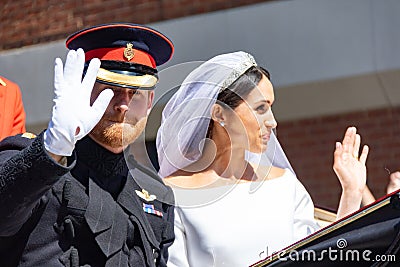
column 117, row 54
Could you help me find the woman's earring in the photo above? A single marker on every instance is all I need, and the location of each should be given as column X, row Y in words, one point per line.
column 222, row 123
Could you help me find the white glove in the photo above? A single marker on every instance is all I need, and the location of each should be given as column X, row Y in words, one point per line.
column 72, row 116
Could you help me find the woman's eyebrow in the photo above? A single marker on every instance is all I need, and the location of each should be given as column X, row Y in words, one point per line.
column 269, row 102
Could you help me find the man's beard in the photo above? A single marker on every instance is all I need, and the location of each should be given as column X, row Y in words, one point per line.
column 119, row 134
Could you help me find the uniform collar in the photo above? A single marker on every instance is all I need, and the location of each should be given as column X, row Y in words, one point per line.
column 107, row 169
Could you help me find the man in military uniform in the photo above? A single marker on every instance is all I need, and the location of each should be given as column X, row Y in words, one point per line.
column 12, row 112
column 69, row 197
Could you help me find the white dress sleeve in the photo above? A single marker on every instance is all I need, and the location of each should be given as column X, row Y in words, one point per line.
column 178, row 250
column 304, row 222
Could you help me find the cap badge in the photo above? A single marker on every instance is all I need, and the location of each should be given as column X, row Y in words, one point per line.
column 145, row 195
column 129, row 53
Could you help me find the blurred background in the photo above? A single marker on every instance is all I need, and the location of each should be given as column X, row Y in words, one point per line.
column 333, row 63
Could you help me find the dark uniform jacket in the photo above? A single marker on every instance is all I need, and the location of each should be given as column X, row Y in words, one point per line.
column 93, row 212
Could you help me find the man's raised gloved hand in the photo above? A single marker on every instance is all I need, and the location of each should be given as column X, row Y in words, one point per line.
column 73, row 117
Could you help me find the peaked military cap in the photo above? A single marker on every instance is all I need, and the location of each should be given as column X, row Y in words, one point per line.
column 129, row 53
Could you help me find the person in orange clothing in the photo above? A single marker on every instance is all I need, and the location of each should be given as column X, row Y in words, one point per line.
column 12, row 113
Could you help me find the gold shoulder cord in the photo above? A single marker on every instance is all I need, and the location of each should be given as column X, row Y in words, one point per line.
column 3, row 83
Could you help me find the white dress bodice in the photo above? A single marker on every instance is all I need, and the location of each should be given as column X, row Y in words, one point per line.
column 241, row 224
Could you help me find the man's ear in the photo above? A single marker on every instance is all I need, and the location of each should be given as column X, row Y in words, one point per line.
column 218, row 113
column 150, row 101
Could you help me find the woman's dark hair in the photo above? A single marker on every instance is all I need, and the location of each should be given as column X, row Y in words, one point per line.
column 234, row 94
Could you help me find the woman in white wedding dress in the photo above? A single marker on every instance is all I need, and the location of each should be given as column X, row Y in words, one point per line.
column 237, row 198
